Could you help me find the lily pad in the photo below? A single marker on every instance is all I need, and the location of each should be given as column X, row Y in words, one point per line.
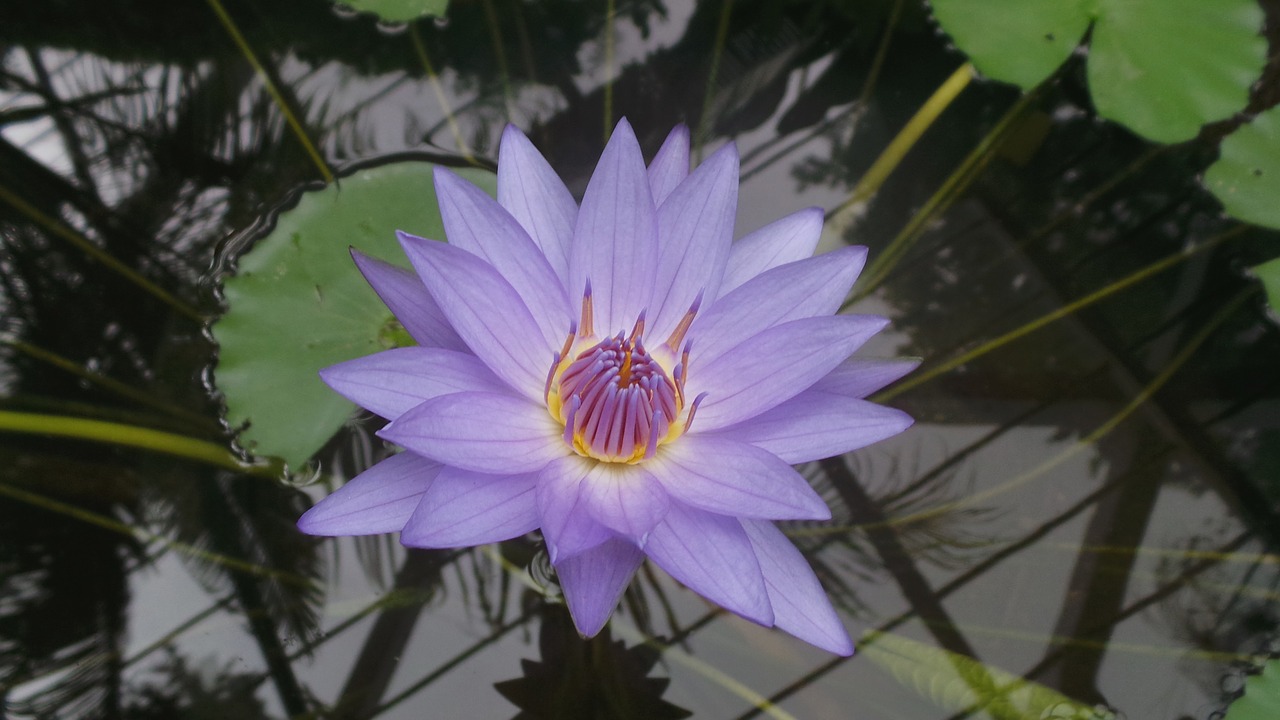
column 1261, row 699
column 1163, row 68
column 1269, row 273
column 1246, row 176
column 298, row 304
column 1017, row 41
column 399, row 10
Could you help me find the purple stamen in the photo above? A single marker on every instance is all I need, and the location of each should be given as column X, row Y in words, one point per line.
column 617, row 398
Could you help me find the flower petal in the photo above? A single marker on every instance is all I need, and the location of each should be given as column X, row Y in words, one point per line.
column 800, row 606
column 378, row 500
column 481, row 432
column 536, row 197
column 464, row 508
column 774, row 366
column 817, row 424
column 695, row 230
column 408, row 299
column 792, row 238
column 594, row 580
column 392, row 382
column 671, row 165
column 476, row 223
column 567, row 525
column 625, row 499
column 858, row 377
column 615, row 242
column 722, row 476
column 486, row 311
column 805, row 288
column 712, row 555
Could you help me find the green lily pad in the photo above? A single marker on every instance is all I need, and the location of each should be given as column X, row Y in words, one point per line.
column 1163, row 68
column 399, row 10
column 298, row 304
column 1261, row 699
column 1269, row 273
column 1246, row 176
column 1017, row 41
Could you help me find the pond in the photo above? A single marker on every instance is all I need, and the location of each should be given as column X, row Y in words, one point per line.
column 1066, row 208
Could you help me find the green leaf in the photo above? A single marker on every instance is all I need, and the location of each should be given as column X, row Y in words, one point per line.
column 399, row 10
column 1163, row 68
column 956, row 683
column 298, row 304
column 1246, row 176
column 1269, row 273
column 1261, row 699
column 1017, row 41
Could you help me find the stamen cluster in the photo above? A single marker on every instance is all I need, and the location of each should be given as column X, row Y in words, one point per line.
column 616, row 400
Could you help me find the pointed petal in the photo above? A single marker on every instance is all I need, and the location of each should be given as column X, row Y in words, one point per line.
column 463, row 508
column 392, row 382
column 806, row 288
column 816, row 424
column 722, row 476
column 411, row 303
column 791, row 238
column 567, row 525
column 800, row 606
column 378, row 500
column 536, row 197
column 858, row 377
column 486, row 312
column 594, row 580
column 476, row 223
column 695, row 230
column 481, row 432
column 615, row 243
column 625, row 499
column 774, row 366
column 712, row 556
column 671, row 165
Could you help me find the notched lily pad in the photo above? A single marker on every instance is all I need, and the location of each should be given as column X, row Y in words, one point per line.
column 1246, row 176
column 399, row 10
column 1163, row 68
column 298, row 304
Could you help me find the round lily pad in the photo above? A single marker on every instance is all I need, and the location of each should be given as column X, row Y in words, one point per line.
column 399, row 10
column 1163, row 68
column 297, row 304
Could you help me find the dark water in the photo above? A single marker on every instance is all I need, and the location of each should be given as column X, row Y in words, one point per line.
column 1091, row 506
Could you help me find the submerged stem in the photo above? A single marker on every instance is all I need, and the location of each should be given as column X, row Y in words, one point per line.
column 421, row 49
column 907, row 138
column 704, row 119
column 58, row 228
column 1098, row 295
column 951, row 188
column 292, row 120
column 132, row 436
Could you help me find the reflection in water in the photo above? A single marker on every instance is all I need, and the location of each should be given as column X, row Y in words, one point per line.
column 587, row 677
column 1089, row 505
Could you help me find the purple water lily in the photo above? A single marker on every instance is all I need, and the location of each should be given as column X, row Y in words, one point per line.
column 621, row 376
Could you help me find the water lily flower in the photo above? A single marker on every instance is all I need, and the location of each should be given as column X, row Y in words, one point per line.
column 622, row 376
